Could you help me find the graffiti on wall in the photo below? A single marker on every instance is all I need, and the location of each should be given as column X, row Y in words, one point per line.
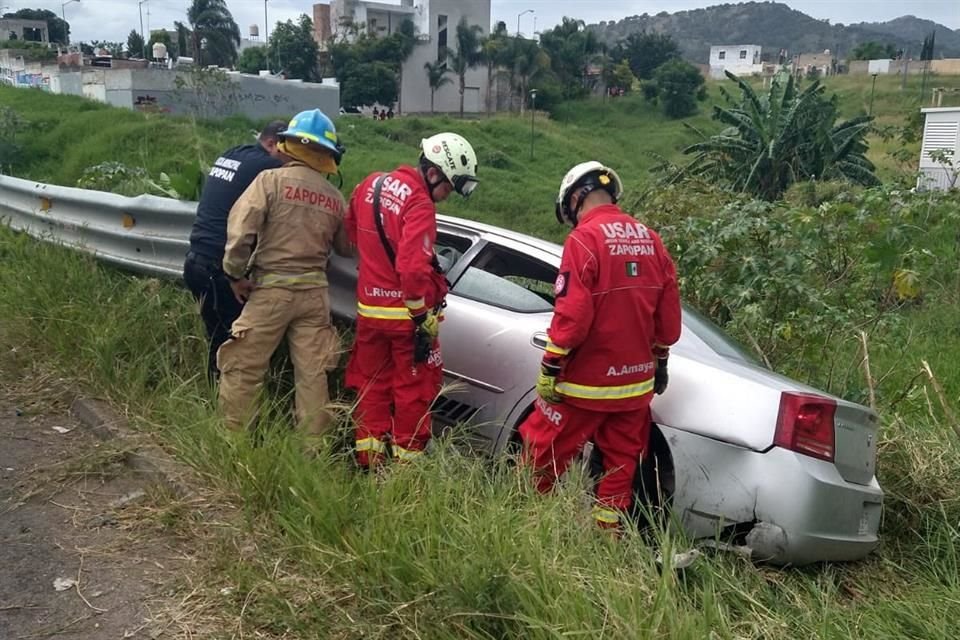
column 24, row 79
column 148, row 104
column 33, row 80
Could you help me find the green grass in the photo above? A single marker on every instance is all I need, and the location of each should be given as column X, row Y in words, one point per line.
column 67, row 134
column 460, row 547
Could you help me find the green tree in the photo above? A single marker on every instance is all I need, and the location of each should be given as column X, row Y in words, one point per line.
column 184, row 39
column 57, row 29
column 167, row 41
column 646, row 52
column 529, row 64
column 677, row 85
column 572, row 49
column 293, row 51
column 406, row 39
column 926, row 51
column 135, row 45
column 785, row 136
column 873, row 51
column 370, row 83
column 214, row 36
column 436, row 78
column 495, row 50
column 368, row 67
column 467, row 55
column 253, row 60
column 618, row 76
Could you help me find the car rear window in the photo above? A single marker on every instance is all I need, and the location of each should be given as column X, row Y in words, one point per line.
column 714, row 338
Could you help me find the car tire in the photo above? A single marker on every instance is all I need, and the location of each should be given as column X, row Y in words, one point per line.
column 653, row 482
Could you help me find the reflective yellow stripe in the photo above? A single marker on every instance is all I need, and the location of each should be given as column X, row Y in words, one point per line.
column 318, row 278
column 383, row 313
column 414, row 305
column 552, row 348
column 405, row 454
column 371, row 444
column 605, row 515
column 605, row 393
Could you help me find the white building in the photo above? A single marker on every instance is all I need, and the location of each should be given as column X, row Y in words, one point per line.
column 435, row 22
column 740, row 60
column 941, row 132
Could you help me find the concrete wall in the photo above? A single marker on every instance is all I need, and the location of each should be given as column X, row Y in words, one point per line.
column 155, row 90
column 946, row 67
column 14, row 71
column 255, row 97
column 415, row 89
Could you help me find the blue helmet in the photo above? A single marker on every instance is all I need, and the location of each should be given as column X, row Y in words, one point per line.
column 314, row 127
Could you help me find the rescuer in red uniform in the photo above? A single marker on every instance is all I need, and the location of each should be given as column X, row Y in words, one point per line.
column 617, row 312
column 395, row 364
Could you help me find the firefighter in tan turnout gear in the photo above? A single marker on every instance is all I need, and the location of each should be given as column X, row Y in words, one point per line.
column 279, row 237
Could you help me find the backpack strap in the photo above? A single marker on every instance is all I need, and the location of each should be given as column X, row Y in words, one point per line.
column 376, row 217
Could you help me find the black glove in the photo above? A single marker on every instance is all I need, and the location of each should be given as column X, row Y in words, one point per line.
column 660, row 377
column 422, row 344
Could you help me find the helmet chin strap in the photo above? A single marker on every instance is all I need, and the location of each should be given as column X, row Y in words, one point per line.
column 583, row 192
column 433, row 185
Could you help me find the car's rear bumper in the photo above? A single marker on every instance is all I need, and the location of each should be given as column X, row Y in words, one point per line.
column 802, row 509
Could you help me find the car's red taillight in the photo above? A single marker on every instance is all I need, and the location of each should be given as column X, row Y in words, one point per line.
column 805, row 424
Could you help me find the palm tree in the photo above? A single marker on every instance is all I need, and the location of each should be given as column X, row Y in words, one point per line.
column 786, row 136
column 406, row 40
column 528, row 61
column 436, row 77
column 467, row 56
column 495, row 49
column 215, row 36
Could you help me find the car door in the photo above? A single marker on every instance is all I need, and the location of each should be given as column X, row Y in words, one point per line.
column 493, row 333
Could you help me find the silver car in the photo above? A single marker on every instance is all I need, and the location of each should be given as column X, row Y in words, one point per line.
column 742, row 454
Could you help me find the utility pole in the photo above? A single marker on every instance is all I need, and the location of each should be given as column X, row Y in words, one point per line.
column 63, row 16
column 533, row 117
column 518, row 18
column 143, row 52
column 906, row 67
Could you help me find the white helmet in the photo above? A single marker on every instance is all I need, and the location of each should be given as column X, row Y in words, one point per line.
column 455, row 158
column 588, row 176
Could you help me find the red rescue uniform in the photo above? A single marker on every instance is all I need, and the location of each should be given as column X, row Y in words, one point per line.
column 617, row 308
column 382, row 368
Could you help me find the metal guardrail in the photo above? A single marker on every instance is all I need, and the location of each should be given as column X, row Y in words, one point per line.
column 146, row 234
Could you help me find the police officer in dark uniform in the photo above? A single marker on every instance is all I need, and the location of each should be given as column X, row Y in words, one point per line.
column 203, row 273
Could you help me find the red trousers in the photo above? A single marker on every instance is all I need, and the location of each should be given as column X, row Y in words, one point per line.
column 394, row 393
column 554, row 433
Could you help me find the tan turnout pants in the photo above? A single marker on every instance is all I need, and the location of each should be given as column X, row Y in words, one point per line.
column 303, row 316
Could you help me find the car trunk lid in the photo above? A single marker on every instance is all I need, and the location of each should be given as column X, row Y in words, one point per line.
column 855, row 431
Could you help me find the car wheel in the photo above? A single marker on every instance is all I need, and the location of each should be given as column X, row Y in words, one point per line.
column 653, row 482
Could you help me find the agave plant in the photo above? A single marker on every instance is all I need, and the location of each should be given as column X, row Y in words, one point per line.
column 781, row 137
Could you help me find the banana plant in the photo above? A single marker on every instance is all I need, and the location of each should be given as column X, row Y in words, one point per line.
column 783, row 136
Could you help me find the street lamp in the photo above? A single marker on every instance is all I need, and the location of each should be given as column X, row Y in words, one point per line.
column 533, row 117
column 63, row 16
column 143, row 51
column 518, row 18
column 872, row 89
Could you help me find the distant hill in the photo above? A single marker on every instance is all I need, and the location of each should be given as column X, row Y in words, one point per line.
column 774, row 25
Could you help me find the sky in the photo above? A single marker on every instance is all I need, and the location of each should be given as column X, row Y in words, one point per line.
column 112, row 20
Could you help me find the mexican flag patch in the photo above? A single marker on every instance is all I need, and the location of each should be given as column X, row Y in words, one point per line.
column 633, row 269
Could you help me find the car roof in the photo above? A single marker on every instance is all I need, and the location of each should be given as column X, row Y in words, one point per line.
column 490, row 230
